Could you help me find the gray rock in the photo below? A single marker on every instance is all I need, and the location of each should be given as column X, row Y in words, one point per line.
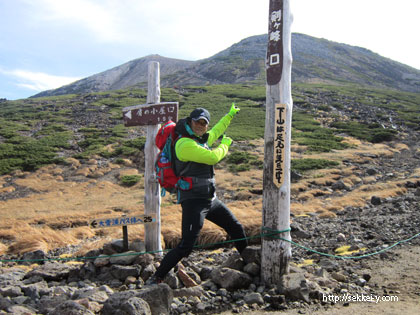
column 253, row 269
column 295, row 286
column 92, row 294
column 21, row 310
column 339, row 185
column 234, row 262
column 371, row 171
column 36, row 290
column 159, row 298
column 252, row 254
column 144, row 260
column 172, row 280
column 339, row 276
column 341, row 237
column 52, row 271
column 71, row 308
column 254, row 297
column 298, row 232
column 124, row 259
column 117, row 245
column 328, row 264
column 134, row 306
column 122, row 272
column 48, row 303
column 101, row 261
column 321, row 272
column 34, row 256
column 189, row 292
column 11, row 291
column 147, row 272
column 5, row 302
column 361, row 282
column 137, row 246
column 205, row 273
column 376, row 201
column 12, row 277
column 230, row 279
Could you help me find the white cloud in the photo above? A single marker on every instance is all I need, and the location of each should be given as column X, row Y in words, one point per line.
column 37, row 81
column 184, row 28
column 98, row 17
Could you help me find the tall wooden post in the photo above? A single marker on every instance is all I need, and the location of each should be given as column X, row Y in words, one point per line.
column 151, row 185
column 276, row 253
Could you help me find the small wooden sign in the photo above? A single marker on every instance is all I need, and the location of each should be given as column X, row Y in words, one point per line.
column 274, row 59
column 279, row 144
column 123, row 221
column 150, row 114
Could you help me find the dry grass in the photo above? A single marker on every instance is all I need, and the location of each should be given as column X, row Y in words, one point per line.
column 58, row 213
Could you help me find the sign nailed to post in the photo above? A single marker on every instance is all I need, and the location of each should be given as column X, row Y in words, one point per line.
column 150, row 114
column 279, row 144
column 122, row 221
column 274, row 60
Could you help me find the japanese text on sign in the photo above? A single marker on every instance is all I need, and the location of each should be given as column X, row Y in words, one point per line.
column 121, row 221
column 279, row 144
column 274, row 60
column 150, row 114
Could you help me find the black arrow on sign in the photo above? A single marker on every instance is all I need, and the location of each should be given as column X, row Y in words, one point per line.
column 94, row 224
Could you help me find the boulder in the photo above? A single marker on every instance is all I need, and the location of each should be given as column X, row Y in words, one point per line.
column 158, row 297
column 230, row 279
column 71, row 308
column 295, row 286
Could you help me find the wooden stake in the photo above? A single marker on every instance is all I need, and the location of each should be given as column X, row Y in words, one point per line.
column 276, row 253
column 151, row 185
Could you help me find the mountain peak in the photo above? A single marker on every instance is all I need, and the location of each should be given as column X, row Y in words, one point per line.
column 314, row 60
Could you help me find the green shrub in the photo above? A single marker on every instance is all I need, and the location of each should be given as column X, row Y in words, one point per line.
column 130, row 180
column 308, row 132
column 301, row 165
column 240, row 161
column 370, row 132
column 239, row 168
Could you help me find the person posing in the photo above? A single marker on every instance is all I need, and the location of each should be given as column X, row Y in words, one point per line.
column 195, row 159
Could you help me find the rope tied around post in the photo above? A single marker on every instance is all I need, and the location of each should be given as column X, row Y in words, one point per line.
column 271, row 233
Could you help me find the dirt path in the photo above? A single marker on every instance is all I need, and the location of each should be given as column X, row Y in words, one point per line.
column 398, row 278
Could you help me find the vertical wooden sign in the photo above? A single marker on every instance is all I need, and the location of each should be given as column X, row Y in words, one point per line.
column 274, row 60
column 279, row 145
column 276, row 251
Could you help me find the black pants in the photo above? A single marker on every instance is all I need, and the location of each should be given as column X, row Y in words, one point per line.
column 194, row 211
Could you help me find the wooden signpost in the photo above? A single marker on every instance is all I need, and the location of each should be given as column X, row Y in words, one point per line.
column 151, row 114
column 123, row 221
column 276, row 253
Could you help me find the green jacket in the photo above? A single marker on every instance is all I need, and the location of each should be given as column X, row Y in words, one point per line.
column 189, row 150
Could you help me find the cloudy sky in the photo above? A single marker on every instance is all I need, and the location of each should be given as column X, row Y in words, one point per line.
column 45, row 44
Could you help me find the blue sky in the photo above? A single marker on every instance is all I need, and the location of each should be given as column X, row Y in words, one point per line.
column 45, row 44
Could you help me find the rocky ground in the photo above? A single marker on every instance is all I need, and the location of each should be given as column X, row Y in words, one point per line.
column 217, row 280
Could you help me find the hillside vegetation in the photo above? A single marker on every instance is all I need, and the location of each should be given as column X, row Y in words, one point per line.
column 39, row 131
column 69, row 159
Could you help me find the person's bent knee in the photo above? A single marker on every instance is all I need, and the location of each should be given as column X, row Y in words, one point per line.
column 184, row 251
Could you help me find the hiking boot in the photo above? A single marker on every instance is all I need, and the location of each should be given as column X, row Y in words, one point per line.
column 153, row 280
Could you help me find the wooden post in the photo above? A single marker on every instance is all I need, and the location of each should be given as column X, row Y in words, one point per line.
column 276, row 253
column 151, row 185
column 125, row 237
